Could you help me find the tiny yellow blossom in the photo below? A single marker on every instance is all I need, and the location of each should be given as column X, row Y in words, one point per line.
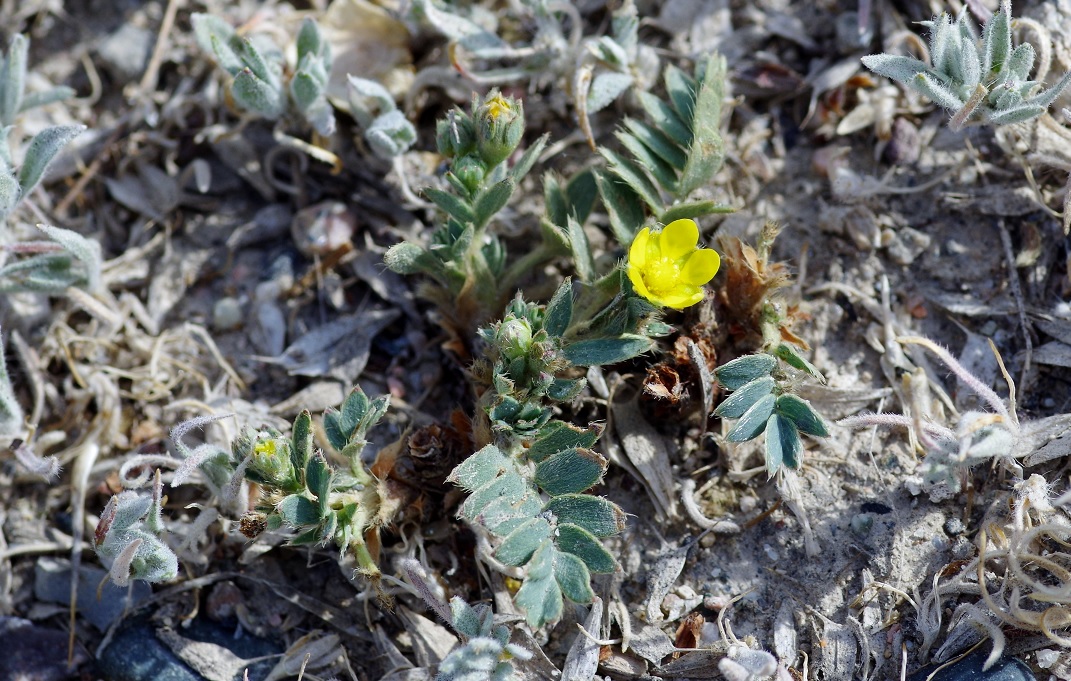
column 667, row 267
column 497, row 105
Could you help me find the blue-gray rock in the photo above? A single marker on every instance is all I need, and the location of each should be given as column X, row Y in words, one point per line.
column 33, row 653
column 138, row 653
column 52, row 584
column 970, row 669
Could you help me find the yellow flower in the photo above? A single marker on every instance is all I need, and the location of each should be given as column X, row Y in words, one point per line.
column 497, row 105
column 667, row 268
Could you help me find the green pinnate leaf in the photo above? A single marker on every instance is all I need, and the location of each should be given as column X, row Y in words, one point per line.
column 801, row 413
column 743, row 370
column 558, row 435
column 646, row 159
column 565, row 389
column 256, row 95
column 44, row 147
column 354, row 409
column 707, row 151
column 997, row 40
column 658, row 142
column 298, row 511
column 569, row 471
column 301, row 441
column 305, row 90
column 318, row 480
column 632, row 176
column 540, row 597
column 623, row 206
column 310, row 41
column 585, row 546
column 528, row 159
column 46, row 97
column 692, row 210
column 682, row 91
column 492, row 200
column 510, row 486
column 573, row 577
column 753, row 421
column 451, row 204
column 503, row 516
column 783, row 444
column 601, row 517
column 481, row 468
column 740, row 401
column 665, row 119
column 214, row 35
column 519, row 546
column 794, row 359
column 13, row 79
column 559, row 310
column 603, row 351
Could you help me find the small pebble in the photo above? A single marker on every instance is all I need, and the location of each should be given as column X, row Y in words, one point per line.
column 970, row 669
column 954, row 526
column 30, row 652
column 227, row 314
column 904, row 146
column 861, row 524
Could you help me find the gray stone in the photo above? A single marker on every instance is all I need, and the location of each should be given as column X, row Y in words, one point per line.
column 52, row 584
column 970, row 669
column 125, row 53
column 33, row 653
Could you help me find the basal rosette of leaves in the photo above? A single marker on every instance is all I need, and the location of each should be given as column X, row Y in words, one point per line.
column 985, row 81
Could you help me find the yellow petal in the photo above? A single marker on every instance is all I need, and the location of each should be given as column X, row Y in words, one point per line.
column 700, row 267
column 679, row 238
column 684, row 296
column 637, row 253
column 635, row 275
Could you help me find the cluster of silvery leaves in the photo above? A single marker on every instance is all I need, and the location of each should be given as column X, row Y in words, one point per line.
column 388, row 132
column 14, row 185
column 463, row 254
column 671, row 154
column 256, row 66
column 987, row 81
column 761, row 400
column 68, row 259
column 10, row 410
column 598, row 70
column 127, row 538
column 527, row 488
column 300, row 491
column 486, row 653
column 978, row 437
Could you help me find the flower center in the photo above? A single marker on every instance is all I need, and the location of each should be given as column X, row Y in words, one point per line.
column 662, row 276
column 497, row 106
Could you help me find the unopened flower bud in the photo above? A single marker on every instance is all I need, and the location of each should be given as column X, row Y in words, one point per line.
column 271, row 461
column 514, row 338
column 499, row 127
column 455, row 135
column 471, row 171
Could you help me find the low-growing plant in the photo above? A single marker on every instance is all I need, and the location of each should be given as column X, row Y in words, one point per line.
column 52, row 267
column 260, row 84
column 388, row 132
column 670, row 155
column 595, row 71
column 17, row 184
column 986, row 81
column 127, row 538
column 299, row 491
column 763, row 383
column 466, row 260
